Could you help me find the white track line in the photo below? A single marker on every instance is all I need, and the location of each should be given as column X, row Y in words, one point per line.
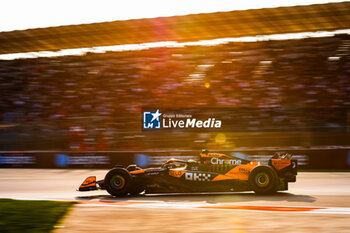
column 206, row 206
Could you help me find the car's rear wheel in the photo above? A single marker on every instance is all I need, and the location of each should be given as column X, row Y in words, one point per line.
column 263, row 180
column 117, row 182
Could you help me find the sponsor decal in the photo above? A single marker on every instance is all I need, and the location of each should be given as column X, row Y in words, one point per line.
column 281, row 163
column 151, row 173
column 17, row 159
column 63, row 160
column 176, row 173
column 218, row 161
column 196, row 176
column 210, row 155
column 160, row 159
column 243, row 170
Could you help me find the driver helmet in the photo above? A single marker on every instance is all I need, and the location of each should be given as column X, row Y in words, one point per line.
column 202, row 159
column 204, row 151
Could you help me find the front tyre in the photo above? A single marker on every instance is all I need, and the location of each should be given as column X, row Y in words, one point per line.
column 263, row 180
column 117, row 182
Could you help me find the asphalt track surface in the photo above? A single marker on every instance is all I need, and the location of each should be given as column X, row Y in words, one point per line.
column 317, row 202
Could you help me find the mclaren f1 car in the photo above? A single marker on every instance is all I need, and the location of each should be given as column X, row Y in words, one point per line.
column 214, row 172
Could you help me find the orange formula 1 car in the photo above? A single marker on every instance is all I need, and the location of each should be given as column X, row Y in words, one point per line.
column 213, row 173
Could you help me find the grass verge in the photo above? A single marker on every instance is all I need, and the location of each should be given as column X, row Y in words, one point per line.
column 30, row 216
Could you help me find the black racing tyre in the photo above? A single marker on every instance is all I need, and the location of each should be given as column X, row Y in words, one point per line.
column 263, row 180
column 118, row 182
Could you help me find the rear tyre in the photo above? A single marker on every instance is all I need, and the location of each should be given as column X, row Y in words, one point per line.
column 263, row 180
column 117, row 182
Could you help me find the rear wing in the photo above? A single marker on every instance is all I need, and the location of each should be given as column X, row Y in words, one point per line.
column 284, row 164
column 282, row 155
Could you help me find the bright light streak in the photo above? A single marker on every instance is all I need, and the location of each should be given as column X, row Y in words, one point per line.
column 130, row 47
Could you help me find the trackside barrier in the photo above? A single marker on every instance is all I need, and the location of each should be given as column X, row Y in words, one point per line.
column 307, row 158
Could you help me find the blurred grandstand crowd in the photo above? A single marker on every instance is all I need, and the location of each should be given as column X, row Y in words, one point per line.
column 94, row 102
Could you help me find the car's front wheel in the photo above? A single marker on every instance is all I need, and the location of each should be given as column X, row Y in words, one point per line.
column 117, row 182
